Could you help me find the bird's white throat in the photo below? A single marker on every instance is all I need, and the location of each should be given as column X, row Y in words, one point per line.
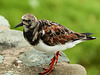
column 25, row 28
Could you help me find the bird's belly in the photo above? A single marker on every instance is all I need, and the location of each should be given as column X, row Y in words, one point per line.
column 45, row 48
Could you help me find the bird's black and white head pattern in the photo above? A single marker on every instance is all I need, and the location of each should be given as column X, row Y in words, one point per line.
column 29, row 21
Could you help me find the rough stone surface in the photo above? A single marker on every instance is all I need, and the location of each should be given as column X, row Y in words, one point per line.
column 12, row 39
column 34, row 58
column 1, row 59
column 4, row 24
column 67, row 69
column 10, row 64
column 60, row 69
column 9, row 73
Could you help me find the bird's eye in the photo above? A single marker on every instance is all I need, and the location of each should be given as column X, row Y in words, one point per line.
column 28, row 20
column 24, row 20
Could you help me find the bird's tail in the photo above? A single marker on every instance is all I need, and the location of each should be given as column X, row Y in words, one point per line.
column 88, row 37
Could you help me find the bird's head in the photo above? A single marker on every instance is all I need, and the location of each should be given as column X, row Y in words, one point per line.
column 28, row 21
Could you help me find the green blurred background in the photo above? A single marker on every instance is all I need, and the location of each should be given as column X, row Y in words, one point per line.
column 78, row 15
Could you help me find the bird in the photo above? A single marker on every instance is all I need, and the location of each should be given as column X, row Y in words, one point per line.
column 49, row 36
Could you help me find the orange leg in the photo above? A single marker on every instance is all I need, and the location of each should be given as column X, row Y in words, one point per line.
column 55, row 58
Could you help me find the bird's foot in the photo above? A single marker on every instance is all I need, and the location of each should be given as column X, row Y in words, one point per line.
column 48, row 71
column 55, row 58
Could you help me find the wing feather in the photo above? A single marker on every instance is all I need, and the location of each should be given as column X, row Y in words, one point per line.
column 57, row 34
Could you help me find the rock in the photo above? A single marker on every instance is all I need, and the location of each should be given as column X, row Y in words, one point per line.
column 9, row 73
column 34, row 58
column 1, row 59
column 62, row 68
column 4, row 24
column 12, row 39
column 67, row 69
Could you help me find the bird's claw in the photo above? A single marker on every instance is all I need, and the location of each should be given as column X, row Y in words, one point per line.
column 53, row 60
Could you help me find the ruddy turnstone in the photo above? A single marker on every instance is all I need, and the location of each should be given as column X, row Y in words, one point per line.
column 48, row 36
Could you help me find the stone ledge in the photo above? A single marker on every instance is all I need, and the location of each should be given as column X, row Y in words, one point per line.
column 4, row 28
column 60, row 69
column 9, row 66
column 64, row 68
column 12, row 39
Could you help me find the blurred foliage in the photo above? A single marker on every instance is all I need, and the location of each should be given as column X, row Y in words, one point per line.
column 78, row 15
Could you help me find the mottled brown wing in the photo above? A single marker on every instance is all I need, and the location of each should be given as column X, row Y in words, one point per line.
column 58, row 34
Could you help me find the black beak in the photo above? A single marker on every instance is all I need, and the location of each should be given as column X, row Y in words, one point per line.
column 21, row 24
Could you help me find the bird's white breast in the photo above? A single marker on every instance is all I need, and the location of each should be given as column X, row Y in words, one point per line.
column 45, row 48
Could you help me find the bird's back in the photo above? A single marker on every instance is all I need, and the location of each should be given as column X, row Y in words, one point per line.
column 57, row 34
